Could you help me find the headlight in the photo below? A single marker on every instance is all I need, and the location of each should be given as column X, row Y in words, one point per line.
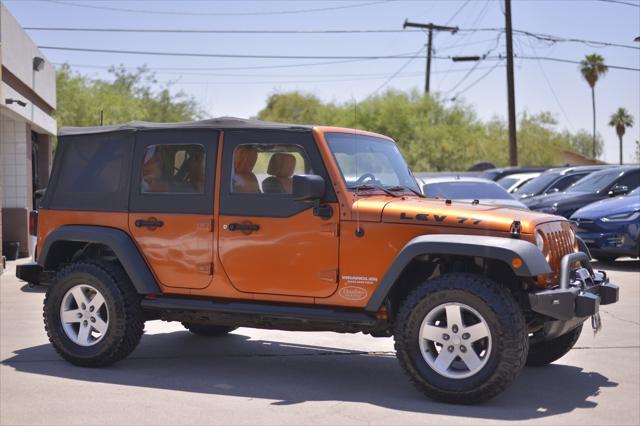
column 622, row 217
column 540, row 241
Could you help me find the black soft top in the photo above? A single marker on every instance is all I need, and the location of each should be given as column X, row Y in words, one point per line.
column 220, row 123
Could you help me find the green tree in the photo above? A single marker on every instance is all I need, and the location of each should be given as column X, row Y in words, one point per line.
column 592, row 67
column 431, row 134
column 582, row 142
column 130, row 96
column 620, row 120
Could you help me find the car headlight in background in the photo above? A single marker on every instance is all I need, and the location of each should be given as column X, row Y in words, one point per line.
column 622, row 217
column 540, row 241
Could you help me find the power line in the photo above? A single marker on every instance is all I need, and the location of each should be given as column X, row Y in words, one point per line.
column 394, row 75
column 176, row 71
column 207, row 31
column 542, row 37
column 175, row 12
column 224, row 55
column 546, row 58
column 550, row 86
column 478, row 80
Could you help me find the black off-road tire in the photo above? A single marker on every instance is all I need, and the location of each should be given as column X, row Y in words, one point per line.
column 507, row 327
column 545, row 352
column 126, row 320
column 208, row 330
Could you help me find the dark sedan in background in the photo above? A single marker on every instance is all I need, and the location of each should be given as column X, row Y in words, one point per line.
column 610, row 182
column 555, row 180
column 611, row 227
column 469, row 189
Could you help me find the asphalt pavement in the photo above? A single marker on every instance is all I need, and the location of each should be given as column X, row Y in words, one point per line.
column 273, row 377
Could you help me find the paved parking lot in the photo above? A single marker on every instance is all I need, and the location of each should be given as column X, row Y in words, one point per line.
column 272, row 377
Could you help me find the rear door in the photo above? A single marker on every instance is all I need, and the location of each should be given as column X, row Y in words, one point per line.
column 171, row 204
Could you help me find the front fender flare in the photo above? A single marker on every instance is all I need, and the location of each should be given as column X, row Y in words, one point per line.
column 116, row 239
column 497, row 248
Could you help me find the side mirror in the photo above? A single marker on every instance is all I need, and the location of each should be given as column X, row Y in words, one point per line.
column 618, row 190
column 308, row 187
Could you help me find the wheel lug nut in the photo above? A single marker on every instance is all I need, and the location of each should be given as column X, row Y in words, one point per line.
column 445, row 337
column 450, row 348
column 91, row 308
column 93, row 319
column 85, row 322
column 83, row 306
column 463, row 348
column 79, row 315
column 465, row 336
column 454, row 328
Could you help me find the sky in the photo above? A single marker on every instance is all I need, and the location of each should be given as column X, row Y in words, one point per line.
column 240, row 86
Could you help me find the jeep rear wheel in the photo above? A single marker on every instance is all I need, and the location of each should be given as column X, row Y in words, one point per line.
column 545, row 352
column 92, row 314
column 461, row 338
column 207, row 330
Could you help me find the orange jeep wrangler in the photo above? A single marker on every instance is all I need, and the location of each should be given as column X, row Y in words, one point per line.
column 231, row 223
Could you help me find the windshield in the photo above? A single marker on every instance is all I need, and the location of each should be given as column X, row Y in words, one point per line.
column 466, row 191
column 536, row 186
column 507, row 182
column 595, row 182
column 366, row 160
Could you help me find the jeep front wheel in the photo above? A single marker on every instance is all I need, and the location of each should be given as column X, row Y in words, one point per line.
column 461, row 338
column 92, row 314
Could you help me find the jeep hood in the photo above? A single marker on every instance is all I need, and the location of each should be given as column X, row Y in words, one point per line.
column 458, row 214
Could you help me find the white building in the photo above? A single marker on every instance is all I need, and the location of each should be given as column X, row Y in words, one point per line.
column 27, row 103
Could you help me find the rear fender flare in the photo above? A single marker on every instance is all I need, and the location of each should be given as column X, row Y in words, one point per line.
column 497, row 248
column 116, row 239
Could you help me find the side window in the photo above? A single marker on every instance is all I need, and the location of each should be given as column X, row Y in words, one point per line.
column 267, row 168
column 631, row 181
column 567, row 181
column 173, row 169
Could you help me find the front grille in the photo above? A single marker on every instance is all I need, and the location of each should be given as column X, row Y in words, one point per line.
column 558, row 242
column 585, row 225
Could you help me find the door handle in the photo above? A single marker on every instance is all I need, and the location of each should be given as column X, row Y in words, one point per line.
column 148, row 223
column 242, row 227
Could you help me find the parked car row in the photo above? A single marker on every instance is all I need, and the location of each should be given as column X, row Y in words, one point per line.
column 602, row 201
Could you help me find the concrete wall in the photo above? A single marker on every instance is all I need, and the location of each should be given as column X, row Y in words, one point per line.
column 16, row 56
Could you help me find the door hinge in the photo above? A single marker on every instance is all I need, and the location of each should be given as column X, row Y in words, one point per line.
column 330, row 228
column 205, row 268
column 329, row 275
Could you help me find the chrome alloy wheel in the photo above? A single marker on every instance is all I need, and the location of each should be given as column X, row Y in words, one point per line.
column 455, row 340
column 84, row 315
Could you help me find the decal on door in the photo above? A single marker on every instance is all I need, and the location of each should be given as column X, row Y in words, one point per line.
column 353, row 293
column 355, row 279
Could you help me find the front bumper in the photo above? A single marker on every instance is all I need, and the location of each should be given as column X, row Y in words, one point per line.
column 580, row 294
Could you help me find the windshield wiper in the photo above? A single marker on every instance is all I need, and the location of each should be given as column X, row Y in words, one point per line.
column 405, row 188
column 368, row 186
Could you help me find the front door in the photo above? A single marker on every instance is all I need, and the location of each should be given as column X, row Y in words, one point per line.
column 171, row 204
column 268, row 242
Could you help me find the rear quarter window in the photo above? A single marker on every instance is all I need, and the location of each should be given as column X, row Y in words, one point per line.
column 91, row 172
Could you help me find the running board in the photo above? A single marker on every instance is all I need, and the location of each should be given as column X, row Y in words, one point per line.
column 261, row 315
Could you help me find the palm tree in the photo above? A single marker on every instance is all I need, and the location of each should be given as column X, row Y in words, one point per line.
column 591, row 68
column 621, row 119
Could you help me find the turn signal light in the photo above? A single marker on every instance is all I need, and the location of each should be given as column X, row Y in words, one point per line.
column 33, row 223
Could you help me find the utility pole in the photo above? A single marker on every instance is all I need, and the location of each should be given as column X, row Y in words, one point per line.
column 431, row 28
column 511, row 95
